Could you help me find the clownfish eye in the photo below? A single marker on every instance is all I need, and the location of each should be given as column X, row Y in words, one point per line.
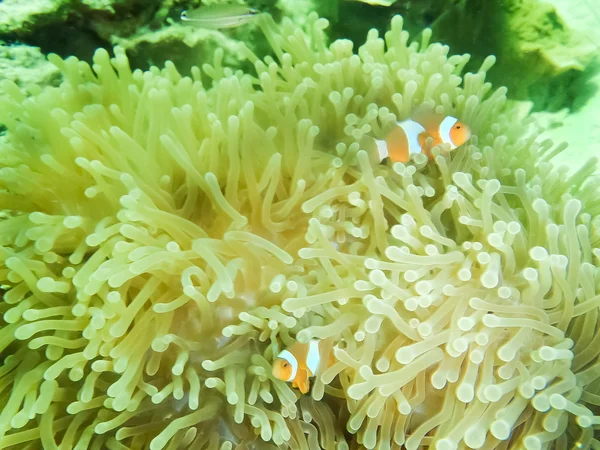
column 285, row 365
column 458, row 127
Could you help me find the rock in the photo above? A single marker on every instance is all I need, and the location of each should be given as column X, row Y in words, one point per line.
column 26, row 65
column 149, row 30
column 21, row 18
column 538, row 52
column 185, row 46
column 579, row 124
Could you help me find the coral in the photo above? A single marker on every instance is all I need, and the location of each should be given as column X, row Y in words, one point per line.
column 26, row 66
column 21, row 17
column 162, row 240
column 539, row 53
column 183, row 45
column 584, row 16
column 149, row 31
column 578, row 126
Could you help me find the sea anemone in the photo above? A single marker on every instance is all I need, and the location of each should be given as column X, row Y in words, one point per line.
column 164, row 236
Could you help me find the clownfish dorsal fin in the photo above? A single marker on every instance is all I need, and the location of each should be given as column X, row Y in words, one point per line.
column 422, row 111
column 426, row 116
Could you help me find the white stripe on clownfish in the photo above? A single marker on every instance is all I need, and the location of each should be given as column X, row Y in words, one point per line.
column 291, row 359
column 445, row 128
column 313, row 358
column 412, row 130
column 382, row 148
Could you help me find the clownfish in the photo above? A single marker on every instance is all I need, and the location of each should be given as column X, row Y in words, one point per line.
column 410, row 136
column 299, row 362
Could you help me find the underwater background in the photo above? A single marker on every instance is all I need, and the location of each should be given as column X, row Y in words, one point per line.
column 180, row 204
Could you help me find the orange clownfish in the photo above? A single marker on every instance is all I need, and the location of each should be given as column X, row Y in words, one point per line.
column 410, row 136
column 299, row 362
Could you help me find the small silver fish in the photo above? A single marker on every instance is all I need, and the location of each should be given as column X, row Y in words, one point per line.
column 219, row 16
column 375, row 2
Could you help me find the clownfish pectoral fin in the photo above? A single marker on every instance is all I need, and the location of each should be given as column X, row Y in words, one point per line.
column 303, row 382
column 376, row 149
column 331, row 361
column 427, row 142
column 304, row 386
